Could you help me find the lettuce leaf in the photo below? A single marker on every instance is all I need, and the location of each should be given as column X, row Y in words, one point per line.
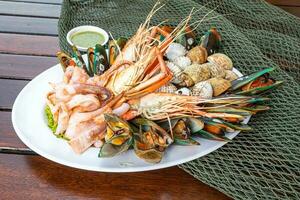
column 52, row 124
column 50, row 120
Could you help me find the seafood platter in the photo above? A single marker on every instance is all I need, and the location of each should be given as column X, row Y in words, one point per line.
column 164, row 88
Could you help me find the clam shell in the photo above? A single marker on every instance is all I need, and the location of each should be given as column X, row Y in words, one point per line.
column 184, row 91
column 174, row 69
column 198, row 72
column 175, row 50
column 230, row 75
column 149, row 155
column 197, row 55
column 184, row 80
column 221, row 60
column 219, row 85
column 176, row 72
column 169, row 88
column 182, row 62
column 203, row 89
column 216, row 71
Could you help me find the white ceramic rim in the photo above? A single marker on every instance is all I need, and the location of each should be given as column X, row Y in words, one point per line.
column 84, row 28
column 56, row 159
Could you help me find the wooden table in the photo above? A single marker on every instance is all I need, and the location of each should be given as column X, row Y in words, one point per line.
column 28, row 42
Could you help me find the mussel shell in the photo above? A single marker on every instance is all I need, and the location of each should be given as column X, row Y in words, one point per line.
column 79, row 60
column 153, row 128
column 195, row 124
column 117, row 139
column 149, row 155
column 114, row 48
column 211, row 41
column 181, row 39
column 259, row 90
column 231, row 110
column 167, row 124
column 181, row 130
column 187, row 142
column 158, row 139
column 240, row 82
column 240, row 127
column 190, row 38
column 214, row 129
column 64, row 59
column 219, row 127
column 100, row 60
column 150, row 151
column 257, row 100
column 207, row 135
column 110, row 150
column 118, row 130
column 111, row 118
column 256, row 108
column 90, row 54
column 187, row 38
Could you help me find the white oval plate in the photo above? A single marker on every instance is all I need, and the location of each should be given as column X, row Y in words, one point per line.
column 30, row 125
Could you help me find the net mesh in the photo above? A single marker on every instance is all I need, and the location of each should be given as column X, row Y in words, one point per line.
column 264, row 163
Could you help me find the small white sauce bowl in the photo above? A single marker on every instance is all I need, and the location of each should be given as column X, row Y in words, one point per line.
column 80, row 29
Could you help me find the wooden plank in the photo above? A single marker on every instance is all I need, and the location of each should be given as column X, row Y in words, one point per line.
column 28, row 44
column 24, row 67
column 34, row 177
column 29, row 9
column 9, row 90
column 41, row 1
column 18, row 151
column 290, row 6
column 32, row 25
column 8, row 138
column 275, row 2
column 293, row 10
column 285, row 2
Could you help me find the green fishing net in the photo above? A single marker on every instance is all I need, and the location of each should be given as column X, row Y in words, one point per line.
column 263, row 163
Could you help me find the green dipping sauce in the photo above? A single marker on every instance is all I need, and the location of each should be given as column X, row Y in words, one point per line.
column 87, row 39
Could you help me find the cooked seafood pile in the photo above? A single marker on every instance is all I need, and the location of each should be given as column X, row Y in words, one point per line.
column 162, row 86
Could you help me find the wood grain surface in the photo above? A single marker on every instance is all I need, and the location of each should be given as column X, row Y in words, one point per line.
column 291, row 6
column 293, row 3
column 8, row 137
column 37, row 178
column 58, row 2
column 10, row 90
column 24, row 66
column 294, row 10
column 28, row 25
column 28, row 44
column 29, row 9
